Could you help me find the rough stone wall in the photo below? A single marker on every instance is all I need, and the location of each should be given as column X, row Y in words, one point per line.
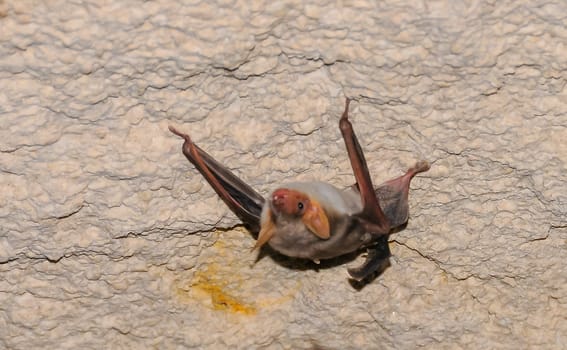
column 110, row 239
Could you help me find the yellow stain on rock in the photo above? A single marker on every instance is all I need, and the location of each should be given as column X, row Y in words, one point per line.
column 206, row 284
column 218, row 283
column 212, row 285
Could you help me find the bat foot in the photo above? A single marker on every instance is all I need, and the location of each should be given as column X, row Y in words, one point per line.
column 376, row 256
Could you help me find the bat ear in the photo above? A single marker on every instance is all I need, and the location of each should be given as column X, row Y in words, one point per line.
column 316, row 220
column 266, row 232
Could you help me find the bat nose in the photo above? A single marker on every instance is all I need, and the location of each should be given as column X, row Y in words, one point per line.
column 279, row 198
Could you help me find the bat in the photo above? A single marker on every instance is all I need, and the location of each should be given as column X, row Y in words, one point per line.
column 316, row 220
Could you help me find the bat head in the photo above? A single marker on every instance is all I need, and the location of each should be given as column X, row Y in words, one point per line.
column 290, row 202
column 296, row 205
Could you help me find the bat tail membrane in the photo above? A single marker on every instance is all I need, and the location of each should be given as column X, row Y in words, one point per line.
column 242, row 199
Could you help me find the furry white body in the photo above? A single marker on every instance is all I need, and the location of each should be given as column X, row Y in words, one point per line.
column 292, row 238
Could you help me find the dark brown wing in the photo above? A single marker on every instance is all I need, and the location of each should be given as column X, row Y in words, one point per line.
column 393, row 195
column 242, row 199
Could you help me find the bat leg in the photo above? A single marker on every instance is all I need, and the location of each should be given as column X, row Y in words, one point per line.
column 242, row 199
column 377, row 254
column 371, row 215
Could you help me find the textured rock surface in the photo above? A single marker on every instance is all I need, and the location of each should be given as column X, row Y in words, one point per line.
column 107, row 234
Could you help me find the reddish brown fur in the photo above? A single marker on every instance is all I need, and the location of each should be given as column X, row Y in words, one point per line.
column 286, row 201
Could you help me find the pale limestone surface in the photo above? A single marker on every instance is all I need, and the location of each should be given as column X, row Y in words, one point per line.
column 110, row 239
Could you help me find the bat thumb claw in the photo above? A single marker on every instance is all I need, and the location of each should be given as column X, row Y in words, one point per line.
column 179, row 133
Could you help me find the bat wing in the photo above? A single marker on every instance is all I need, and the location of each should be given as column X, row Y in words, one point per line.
column 393, row 198
column 393, row 204
column 393, row 195
column 241, row 199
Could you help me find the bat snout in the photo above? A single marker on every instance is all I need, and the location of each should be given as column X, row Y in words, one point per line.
column 279, row 200
column 288, row 201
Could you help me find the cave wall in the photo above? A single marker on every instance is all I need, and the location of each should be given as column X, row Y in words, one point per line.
column 109, row 238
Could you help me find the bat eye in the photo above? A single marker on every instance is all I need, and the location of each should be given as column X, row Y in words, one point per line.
column 300, row 206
